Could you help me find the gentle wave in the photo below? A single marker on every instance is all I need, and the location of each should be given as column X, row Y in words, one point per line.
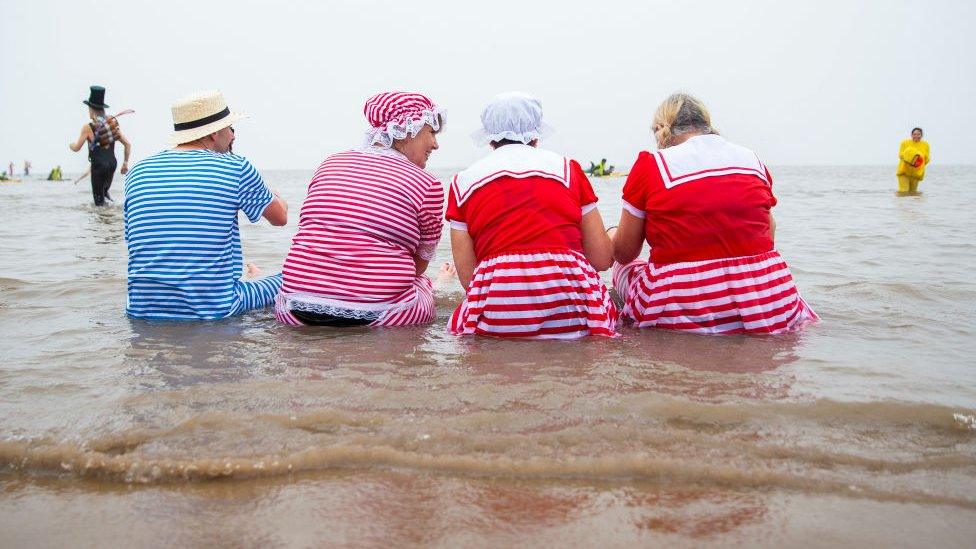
column 71, row 459
column 720, row 452
column 8, row 284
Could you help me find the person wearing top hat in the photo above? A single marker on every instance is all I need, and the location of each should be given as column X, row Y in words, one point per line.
column 181, row 229
column 101, row 134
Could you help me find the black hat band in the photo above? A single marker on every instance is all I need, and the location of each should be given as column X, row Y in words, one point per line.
column 202, row 121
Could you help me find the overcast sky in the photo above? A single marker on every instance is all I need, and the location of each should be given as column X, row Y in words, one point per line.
column 818, row 82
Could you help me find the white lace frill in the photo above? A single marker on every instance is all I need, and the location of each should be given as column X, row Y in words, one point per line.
column 482, row 137
column 332, row 310
column 361, row 311
column 384, row 136
column 377, row 150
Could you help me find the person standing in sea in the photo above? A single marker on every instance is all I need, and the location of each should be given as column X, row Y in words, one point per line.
column 181, row 228
column 101, row 134
column 913, row 156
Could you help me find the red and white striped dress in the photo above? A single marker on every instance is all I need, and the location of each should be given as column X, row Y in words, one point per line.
column 367, row 214
column 522, row 207
column 713, row 268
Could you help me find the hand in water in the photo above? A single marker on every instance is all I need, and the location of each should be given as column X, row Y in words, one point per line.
column 445, row 274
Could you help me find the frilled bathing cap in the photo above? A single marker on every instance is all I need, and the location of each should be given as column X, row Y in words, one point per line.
column 394, row 115
column 516, row 116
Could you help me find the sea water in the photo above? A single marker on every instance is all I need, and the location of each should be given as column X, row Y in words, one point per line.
column 859, row 430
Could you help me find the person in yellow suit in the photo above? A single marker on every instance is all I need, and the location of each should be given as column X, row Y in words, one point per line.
column 913, row 156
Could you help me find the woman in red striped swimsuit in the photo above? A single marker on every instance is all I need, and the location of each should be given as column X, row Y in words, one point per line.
column 369, row 226
column 526, row 236
column 703, row 205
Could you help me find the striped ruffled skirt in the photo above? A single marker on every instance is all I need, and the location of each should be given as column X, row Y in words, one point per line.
column 415, row 305
column 753, row 294
column 542, row 295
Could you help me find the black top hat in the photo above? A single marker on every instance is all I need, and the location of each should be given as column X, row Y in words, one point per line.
column 96, row 99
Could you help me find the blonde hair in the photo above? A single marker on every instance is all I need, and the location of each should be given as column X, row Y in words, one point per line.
column 678, row 115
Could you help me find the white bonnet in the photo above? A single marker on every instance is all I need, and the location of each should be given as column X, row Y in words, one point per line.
column 512, row 115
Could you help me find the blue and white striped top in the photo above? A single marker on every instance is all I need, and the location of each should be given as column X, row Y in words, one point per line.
column 181, row 230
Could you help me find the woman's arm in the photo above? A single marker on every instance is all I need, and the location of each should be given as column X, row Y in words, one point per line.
column 420, row 265
column 628, row 240
column 430, row 220
column 596, row 244
column 86, row 134
column 772, row 227
column 462, row 248
column 125, row 155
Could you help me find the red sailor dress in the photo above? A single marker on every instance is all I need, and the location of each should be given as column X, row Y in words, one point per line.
column 522, row 207
column 713, row 267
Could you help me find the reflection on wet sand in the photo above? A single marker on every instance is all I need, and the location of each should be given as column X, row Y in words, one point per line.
column 173, row 355
column 378, row 509
column 697, row 513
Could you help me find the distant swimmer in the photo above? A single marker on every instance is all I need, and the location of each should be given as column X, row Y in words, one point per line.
column 27, row 167
column 55, row 174
column 601, row 169
column 101, row 134
column 913, row 156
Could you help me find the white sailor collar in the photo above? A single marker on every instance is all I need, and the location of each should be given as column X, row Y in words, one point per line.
column 706, row 156
column 518, row 161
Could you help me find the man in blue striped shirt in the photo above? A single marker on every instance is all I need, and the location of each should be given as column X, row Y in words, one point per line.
column 181, row 205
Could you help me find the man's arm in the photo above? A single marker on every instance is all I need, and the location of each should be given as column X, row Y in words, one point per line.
column 277, row 212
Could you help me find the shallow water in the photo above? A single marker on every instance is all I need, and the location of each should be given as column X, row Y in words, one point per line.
column 859, row 430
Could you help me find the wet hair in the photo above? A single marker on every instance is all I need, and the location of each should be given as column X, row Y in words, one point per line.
column 919, row 130
column 681, row 114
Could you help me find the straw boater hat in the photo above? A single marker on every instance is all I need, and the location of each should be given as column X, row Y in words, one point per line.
column 200, row 114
